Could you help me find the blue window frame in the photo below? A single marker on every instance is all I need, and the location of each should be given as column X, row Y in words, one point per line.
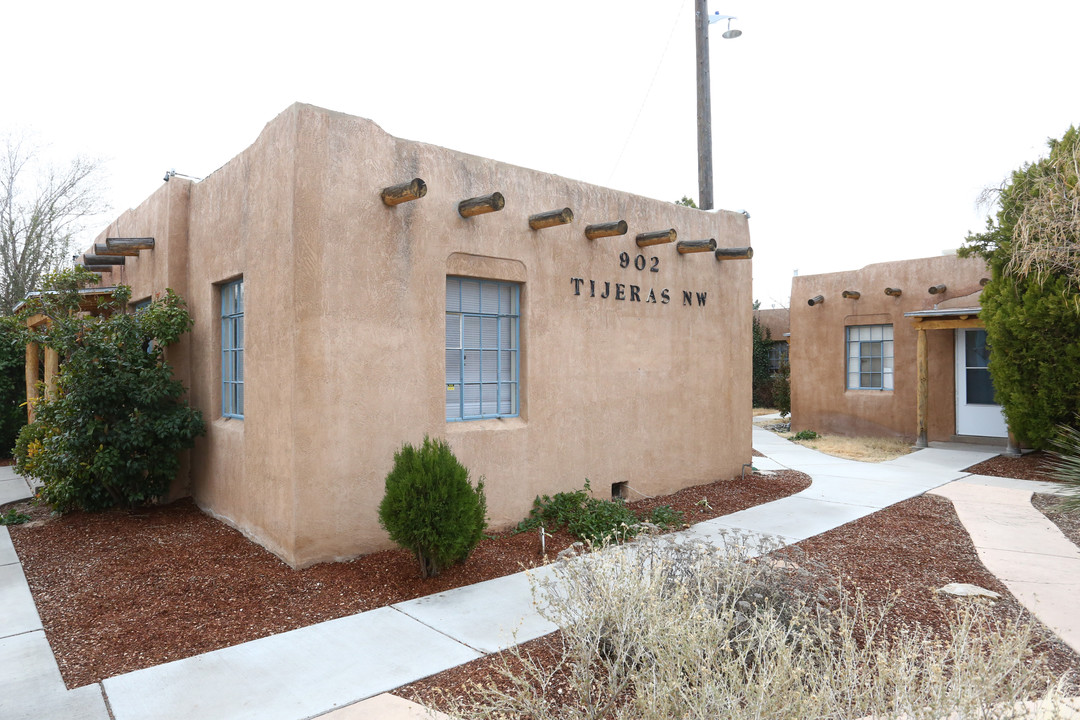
column 232, row 349
column 870, row 357
column 483, row 356
column 138, row 307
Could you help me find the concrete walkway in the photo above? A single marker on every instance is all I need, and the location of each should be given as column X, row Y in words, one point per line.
column 342, row 669
column 1027, row 552
column 12, row 487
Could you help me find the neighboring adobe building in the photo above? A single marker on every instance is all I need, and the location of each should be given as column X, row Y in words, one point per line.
column 564, row 337
column 777, row 321
column 895, row 349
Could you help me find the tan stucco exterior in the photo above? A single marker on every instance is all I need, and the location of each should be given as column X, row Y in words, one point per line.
column 820, row 399
column 345, row 331
column 777, row 321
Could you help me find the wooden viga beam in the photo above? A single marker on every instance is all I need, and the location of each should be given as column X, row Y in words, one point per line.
column 552, row 218
column 893, row 292
column 816, row 300
column 104, row 250
column 404, row 192
column 851, row 294
column 94, row 260
column 480, row 205
column 96, row 268
column 658, row 237
column 734, row 253
column 695, row 246
column 609, row 229
column 117, row 243
column 936, row 289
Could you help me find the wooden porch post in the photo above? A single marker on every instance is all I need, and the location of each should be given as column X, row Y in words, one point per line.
column 31, row 379
column 921, row 401
column 1012, row 447
column 52, row 368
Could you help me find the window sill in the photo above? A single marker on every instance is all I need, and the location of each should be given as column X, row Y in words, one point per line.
column 455, row 427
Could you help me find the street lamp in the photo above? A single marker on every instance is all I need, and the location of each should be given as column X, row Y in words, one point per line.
column 702, row 20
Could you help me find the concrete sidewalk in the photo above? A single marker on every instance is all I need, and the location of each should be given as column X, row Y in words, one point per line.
column 1027, row 552
column 12, row 487
column 342, row 669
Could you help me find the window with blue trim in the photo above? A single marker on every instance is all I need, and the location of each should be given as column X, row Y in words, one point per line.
column 870, row 357
column 232, row 349
column 140, row 307
column 483, row 355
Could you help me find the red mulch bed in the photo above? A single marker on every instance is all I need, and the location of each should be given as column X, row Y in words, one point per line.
column 1030, row 466
column 119, row 591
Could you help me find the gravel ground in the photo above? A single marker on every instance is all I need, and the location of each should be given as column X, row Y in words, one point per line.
column 119, row 591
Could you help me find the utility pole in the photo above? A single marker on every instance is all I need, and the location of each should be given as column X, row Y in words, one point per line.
column 704, row 107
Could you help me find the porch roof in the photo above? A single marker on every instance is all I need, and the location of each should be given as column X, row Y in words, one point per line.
column 944, row 312
column 87, row 297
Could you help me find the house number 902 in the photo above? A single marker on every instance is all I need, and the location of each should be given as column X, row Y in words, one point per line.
column 639, row 262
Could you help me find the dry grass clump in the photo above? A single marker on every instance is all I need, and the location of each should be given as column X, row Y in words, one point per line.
column 764, row 411
column 864, row 449
column 664, row 629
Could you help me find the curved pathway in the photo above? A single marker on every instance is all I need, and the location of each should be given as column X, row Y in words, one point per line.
column 1018, row 544
column 342, row 669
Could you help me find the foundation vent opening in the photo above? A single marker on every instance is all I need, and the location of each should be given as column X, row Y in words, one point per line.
column 619, row 491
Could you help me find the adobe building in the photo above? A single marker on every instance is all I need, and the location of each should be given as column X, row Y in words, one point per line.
column 777, row 321
column 895, row 349
column 352, row 291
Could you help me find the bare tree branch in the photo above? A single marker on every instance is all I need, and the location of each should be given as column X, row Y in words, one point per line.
column 41, row 210
column 1046, row 236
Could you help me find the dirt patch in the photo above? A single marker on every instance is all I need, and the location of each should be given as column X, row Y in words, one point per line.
column 119, row 591
column 863, row 449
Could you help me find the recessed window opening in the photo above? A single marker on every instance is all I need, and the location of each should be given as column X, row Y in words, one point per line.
column 870, row 357
column 232, row 349
column 482, row 349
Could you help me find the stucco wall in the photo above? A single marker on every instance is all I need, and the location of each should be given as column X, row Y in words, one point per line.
column 777, row 321
column 345, row 333
column 820, row 400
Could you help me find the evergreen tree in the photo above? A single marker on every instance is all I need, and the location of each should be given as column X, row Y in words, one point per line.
column 1031, row 306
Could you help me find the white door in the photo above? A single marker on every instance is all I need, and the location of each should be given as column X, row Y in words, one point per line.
column 976, row 412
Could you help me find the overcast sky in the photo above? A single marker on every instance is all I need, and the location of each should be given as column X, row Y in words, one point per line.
column 852, row 131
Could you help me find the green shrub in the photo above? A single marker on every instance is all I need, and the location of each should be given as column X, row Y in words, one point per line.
column 666, row 516
column 782, row 389
column 554, row 512
column 13, row 517
column 761, row 375
column 12, row 384
column 112, row 434
column 596, row 521
column 1032, row 300
column 805, row 435
column 430, row 508
column 604, row 521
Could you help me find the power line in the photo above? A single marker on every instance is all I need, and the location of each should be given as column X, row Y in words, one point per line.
column 644, row 100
